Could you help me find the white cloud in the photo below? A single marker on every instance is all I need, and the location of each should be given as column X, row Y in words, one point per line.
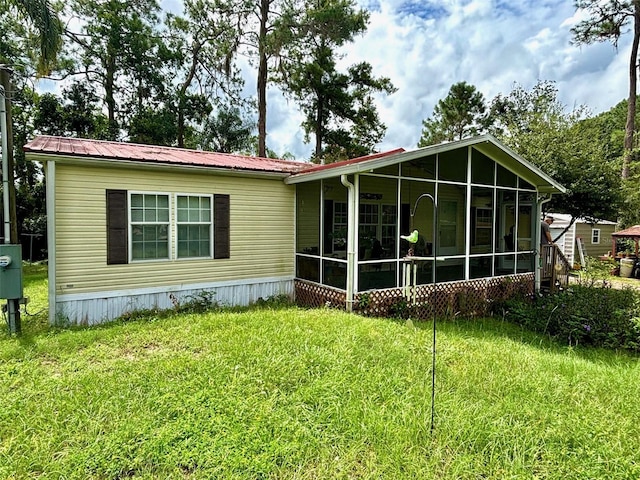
column 425, row 46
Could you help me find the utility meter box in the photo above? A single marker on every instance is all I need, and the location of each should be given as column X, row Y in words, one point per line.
column 10, row 271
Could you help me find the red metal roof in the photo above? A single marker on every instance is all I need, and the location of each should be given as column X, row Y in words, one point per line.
column 329, row 166
column 628, row 232
column 80, row 147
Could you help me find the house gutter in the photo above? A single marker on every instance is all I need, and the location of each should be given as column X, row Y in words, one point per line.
column 537, row 270
column 351, row 240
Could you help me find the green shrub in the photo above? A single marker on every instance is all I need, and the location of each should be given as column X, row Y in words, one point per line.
column 602, row 317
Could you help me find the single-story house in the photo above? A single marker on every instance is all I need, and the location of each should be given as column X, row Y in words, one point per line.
column 136, row 226
column 594, row 238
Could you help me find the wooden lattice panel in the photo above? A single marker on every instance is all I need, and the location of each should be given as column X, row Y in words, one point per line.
column 466, row 298
column 314, row 295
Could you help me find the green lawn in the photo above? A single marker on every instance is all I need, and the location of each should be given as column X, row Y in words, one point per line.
column 311, row 394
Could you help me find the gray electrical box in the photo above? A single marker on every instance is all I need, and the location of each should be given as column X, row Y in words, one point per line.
column 10, row 271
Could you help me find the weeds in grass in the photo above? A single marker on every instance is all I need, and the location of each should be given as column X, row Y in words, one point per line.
column 279, row 392
column 602, row 317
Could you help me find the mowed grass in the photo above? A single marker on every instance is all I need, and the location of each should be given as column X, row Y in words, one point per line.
column 312, row 394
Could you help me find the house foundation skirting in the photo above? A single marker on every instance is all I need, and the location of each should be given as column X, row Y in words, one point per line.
column 466, row 298
column 99, row 307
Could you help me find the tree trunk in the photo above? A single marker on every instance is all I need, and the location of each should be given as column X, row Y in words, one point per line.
column 631, row 107
column 262, row 79
column 109, row 95
column 182, row 93
column 319, row 128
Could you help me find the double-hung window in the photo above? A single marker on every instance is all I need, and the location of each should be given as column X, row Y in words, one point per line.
column 194, row 226
column 143, row 226
column 149, row 226
column 595, row 236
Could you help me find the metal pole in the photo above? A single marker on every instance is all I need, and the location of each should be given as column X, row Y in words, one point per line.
column 5, row 166
column 435, row 287
column 8, row 189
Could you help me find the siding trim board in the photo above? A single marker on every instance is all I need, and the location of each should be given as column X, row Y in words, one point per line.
column 93, row 309
column 169, row 288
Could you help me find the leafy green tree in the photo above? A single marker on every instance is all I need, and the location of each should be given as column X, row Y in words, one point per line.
column 228, row 131
column 29, row 185
column 203, row 45
column 462, row 113
column 117, row 45
column 534, row 123
column 82, row 114
column 41, row 15
column 76, row 113
column 339, row 109
column 607, row 22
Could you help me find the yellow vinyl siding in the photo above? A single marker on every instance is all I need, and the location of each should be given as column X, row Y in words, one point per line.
column 261, row 233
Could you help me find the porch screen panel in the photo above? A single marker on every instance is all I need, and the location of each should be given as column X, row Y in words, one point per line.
column 482, row 168
column 505, row 212
column 505, row 178
column 482, row 216
column 452, row 165
column 377, row 275
column 480, row 267
column 424, row 273
column 308, row 268
column 450, row 270
column 410, row 191
column 525, row 262
column 308, row 218
column 378, row 219
column 335, row 219
column 424, row 167
column 526, row 222
column 504, row 265
column 451, row 219
column 334, row 274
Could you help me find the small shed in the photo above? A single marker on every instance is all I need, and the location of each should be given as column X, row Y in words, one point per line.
column 593, row 236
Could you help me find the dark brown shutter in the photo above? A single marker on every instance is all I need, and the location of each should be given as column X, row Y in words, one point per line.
column 221, row 223
column 117, row 241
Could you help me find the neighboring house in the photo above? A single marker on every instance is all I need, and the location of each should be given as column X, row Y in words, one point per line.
column 595, row 238
column 137, row 226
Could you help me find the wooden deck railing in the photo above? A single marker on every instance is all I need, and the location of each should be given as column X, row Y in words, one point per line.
column 555, row 267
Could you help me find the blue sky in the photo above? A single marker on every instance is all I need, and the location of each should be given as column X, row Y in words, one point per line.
column 426, row 46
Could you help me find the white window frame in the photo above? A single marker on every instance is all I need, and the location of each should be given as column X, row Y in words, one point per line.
column 595, row 236
column 340, row 223
column 178, row 223
column 130, row 224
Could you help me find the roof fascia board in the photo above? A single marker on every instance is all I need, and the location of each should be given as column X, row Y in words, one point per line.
column 95, row 161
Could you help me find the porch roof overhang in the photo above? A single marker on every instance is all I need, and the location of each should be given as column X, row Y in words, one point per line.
column 487, row 144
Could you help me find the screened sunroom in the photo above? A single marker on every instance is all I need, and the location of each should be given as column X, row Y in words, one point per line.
column 486, row 200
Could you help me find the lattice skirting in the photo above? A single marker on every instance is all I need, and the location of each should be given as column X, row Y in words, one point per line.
column 466, row 298
column 310, row 294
